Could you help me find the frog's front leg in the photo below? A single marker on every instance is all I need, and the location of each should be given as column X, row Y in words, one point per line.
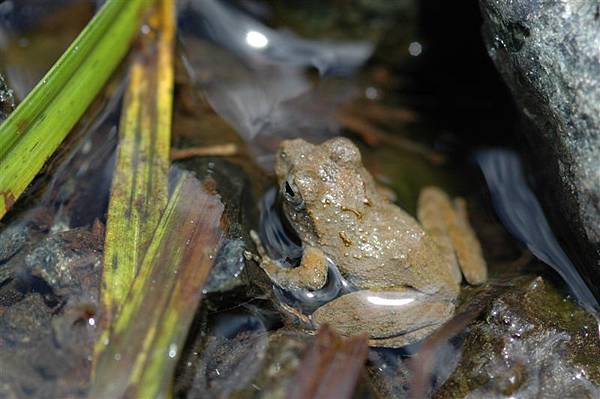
column 448, row 224
column 310, row 274
column 391, row 318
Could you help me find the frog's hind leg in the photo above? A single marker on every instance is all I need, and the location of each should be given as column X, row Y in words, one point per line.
column 448, row 225
column 468, row 249
column 310, row 274
column 392, row 318
column 435, row 213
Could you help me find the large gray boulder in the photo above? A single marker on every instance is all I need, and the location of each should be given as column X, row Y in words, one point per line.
column 548, row 52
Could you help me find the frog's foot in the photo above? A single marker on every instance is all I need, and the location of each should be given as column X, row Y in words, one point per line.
column 449, row 226
column 296, row 318
column 391, row 318
column 310, row 274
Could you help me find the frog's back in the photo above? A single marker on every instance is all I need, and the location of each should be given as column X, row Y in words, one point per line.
column 388, row 249
column 375, row 244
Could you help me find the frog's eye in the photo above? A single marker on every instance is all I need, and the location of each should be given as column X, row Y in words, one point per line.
column 291, row 195
column 289, row 190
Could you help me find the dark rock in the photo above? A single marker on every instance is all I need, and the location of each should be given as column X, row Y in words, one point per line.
column 533, row 342
column 34, row 364
column 235, row 187
column 547, row 52
column 70, row 263
column 226, row 273
column 48, row 298
column 15, row 238
column 250, row 364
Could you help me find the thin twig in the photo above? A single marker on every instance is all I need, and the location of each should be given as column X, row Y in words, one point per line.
column 375, row 136
column 220, row 150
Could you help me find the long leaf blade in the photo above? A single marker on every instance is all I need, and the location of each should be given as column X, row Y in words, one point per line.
column 37, row 127
column 153, row 322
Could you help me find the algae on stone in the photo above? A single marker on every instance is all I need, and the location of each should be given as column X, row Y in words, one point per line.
column 533, row 342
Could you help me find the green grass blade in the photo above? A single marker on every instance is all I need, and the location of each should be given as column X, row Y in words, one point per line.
column 140, row 181
column 151, row 328
column 58, row 75
column 36, row 128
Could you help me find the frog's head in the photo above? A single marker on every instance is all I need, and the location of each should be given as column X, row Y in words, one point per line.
column 316, row 181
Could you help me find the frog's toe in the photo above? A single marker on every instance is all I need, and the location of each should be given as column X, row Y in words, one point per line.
column 393, row 318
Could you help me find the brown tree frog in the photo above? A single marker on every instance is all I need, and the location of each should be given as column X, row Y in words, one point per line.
column 405, row 274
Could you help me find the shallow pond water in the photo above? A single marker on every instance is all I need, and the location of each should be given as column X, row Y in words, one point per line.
column 408, row 85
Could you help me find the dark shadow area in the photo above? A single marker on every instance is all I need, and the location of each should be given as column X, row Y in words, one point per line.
column 469, row 99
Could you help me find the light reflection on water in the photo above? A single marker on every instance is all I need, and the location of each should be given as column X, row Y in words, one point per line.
column 256, row 39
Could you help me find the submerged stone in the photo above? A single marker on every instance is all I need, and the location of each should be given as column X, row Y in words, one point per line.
column 533, row 342
column 49, row 288
column 226, row 273
column 250, row 364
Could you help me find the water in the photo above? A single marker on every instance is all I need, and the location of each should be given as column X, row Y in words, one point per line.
column 411, row 87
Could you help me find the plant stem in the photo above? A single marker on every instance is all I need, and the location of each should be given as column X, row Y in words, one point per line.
column 36, row 128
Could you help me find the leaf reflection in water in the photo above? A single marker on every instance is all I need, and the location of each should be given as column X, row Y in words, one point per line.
column 255, row 77
column 252, row 41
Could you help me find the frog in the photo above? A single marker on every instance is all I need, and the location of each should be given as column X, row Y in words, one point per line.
column 405, row 274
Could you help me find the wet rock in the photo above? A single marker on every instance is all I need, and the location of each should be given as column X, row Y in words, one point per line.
column 229, row 265
column 14, row 239
column 547, row 52
column 7, row 100
column 69, row 262
column 232, row 183
column 254, row 364
column 534, row 342
column 47, row 330
column 15, row 235
column 34, row 364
